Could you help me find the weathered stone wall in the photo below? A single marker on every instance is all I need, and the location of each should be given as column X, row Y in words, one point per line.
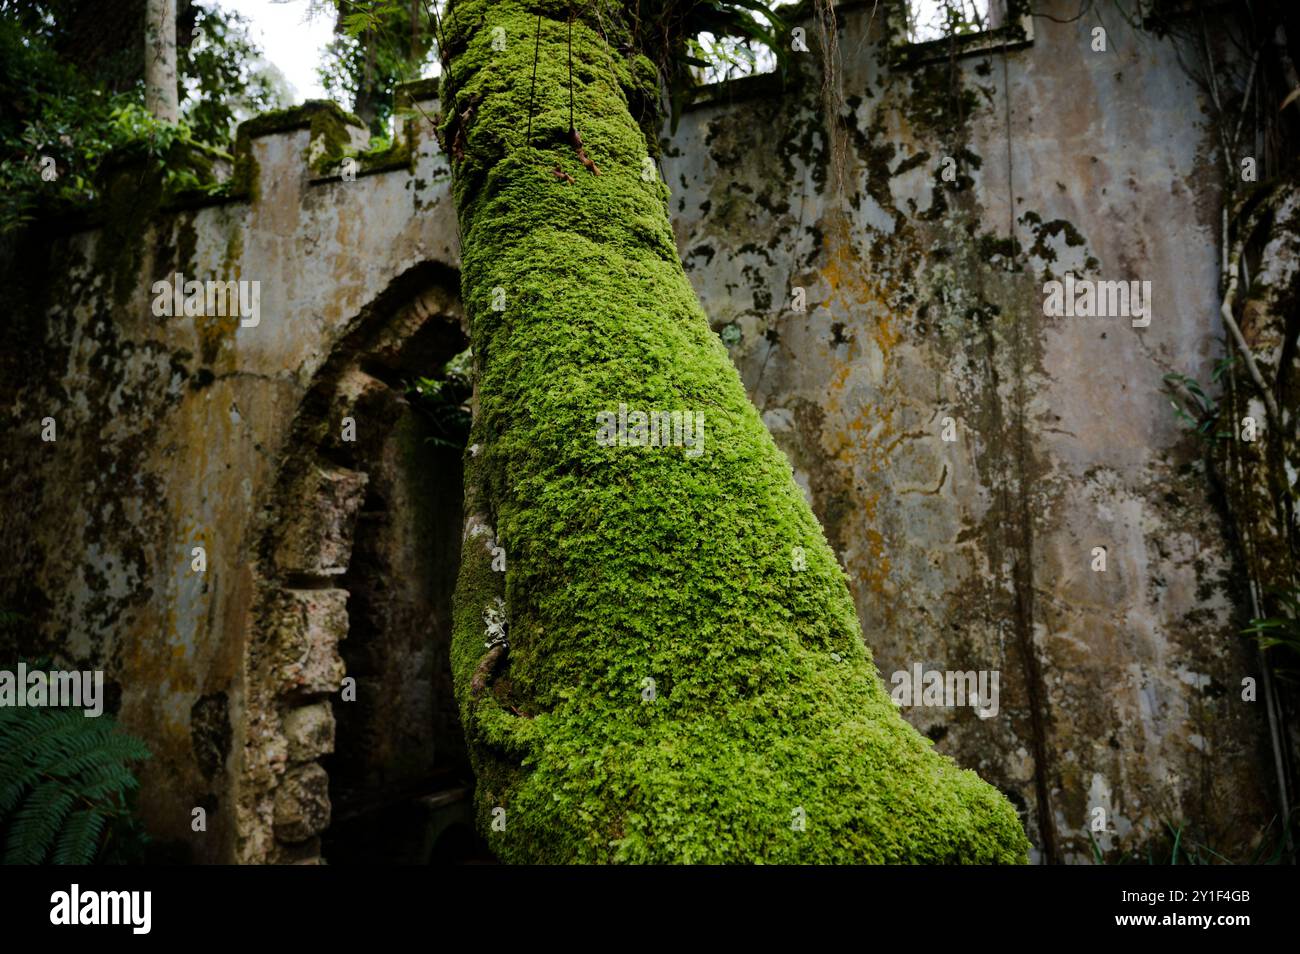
column 182, row 432
column 1119, row 690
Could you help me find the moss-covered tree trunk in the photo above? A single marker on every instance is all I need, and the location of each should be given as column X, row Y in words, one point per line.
column 685, row 679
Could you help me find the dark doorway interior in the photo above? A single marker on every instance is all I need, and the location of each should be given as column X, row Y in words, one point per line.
column 400, row 783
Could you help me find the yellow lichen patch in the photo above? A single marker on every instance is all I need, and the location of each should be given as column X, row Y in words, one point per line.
column 850, row 288
column 860, row 433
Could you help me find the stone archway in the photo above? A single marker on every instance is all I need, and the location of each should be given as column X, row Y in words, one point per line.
column 354, row 570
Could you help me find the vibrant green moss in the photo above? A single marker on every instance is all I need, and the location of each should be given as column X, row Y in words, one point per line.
column 315, row 114
column 330, row 139
column 628, row 564
column 398, row 154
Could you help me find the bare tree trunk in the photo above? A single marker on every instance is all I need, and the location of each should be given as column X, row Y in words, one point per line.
column 160, row 95
column 365, row 103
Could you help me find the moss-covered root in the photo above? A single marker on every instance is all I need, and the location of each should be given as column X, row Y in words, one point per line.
column 685, row 679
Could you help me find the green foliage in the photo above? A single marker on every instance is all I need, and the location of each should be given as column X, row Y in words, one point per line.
column 724, row 58
column 1279, row 636
column 64, row 786
column 379, row 44
column 945, row 18
column 60, row 121
column 224, row 79
column 1179, row 846
column 670, row 32
column 445, row 401
column 103, row 39
column 1197, row 410
column 54, row 113
column 1202, row 422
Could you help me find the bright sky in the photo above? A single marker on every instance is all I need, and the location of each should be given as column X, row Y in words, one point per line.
column 290, row 40
column 295, row 42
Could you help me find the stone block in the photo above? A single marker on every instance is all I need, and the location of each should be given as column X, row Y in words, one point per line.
column 319, row 525
column 309, row 625
column 310, row 731
column 302, row 803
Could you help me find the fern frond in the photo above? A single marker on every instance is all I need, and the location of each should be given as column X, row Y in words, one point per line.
column 79, row 841
column 63, row 776
column 25, row 731
column 38, row 822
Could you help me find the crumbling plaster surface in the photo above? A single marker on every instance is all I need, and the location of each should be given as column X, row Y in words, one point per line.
column 1122, row 689
column 171, row 434
column 1119, row 690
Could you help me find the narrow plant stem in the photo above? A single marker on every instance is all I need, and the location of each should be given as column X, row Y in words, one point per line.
column 1225, row 310
column 571, row 127
column 537, row 45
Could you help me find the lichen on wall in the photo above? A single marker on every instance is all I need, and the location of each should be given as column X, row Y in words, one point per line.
column 967, row 453
column 171, row 430
column 1120, row 689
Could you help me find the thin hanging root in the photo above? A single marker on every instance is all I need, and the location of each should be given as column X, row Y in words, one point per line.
column 575, row 137
column 458, row 142
column 532, row 89
column 462, row 121
column 1229, row 300
column 586, row 161
column 483, row 672
column 562, row 176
